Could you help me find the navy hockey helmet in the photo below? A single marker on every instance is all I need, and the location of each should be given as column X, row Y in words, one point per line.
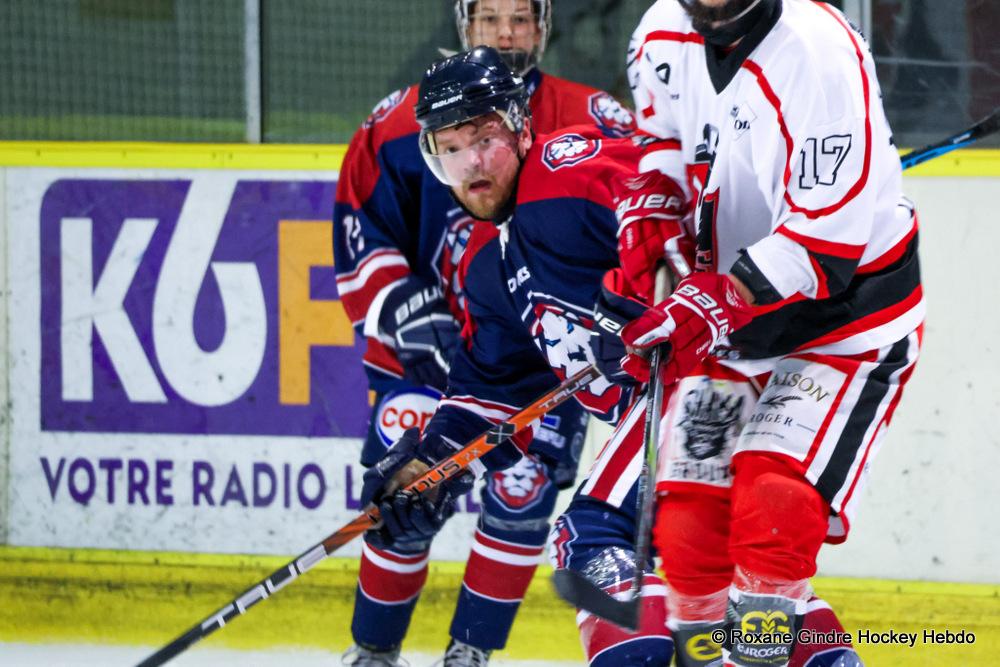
column 519, row 61
column 466, row 85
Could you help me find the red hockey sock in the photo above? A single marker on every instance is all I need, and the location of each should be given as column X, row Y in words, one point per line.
column 779, row 521
column 692, row 538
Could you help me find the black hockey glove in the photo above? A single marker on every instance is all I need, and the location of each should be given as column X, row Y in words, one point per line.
column 424, row 331
column 409, row 517
column 614, row 309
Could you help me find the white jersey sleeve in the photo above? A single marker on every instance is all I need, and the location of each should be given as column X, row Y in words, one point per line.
column 657, row 126
column 831, row 158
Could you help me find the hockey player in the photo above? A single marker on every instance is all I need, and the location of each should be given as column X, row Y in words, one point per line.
column 530, row 289
column 804, row 314
column 398, row 239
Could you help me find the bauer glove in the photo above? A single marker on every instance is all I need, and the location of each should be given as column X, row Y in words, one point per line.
column 704, row 309
column 407, row 516
column 424, row 331
column 649, row 208
column 614, row 309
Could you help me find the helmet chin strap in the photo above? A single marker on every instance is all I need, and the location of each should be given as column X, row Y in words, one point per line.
column 726, row 31
column 733, row 19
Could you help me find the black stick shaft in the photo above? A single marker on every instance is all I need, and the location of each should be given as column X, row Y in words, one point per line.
column 443, row 471
column 983, row 128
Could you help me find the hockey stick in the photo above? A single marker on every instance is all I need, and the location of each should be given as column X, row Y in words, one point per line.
column 576, row 588
column 443, row 471
column 983, row 128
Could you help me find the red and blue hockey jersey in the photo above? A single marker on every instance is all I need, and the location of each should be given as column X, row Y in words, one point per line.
column 531, row 284
column 393, row 219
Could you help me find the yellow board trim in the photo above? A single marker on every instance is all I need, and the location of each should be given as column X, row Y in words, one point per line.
column 148, row 598
column 137, row 155
column 965, row 163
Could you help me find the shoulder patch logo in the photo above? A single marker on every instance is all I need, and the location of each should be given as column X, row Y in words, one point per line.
column 384, row 108
column 609, row 115
column 567, row 150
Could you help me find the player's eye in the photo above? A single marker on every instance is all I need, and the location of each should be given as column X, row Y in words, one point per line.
column 487, row 19
column 520, row 21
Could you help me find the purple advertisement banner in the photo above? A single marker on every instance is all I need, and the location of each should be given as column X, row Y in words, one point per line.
column 203, row 306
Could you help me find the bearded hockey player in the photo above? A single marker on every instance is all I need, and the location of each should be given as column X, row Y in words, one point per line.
column 398, row 238
column 530, row 287
column 804, row 313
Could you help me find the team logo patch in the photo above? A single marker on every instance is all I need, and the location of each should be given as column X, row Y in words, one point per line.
column 609, row 115
column 563, row 336
column 520, row 486
column 703, row 422
column 456, row 239
column 384, row 108
column 710, row 419
column 569, row 149
column 401, row 410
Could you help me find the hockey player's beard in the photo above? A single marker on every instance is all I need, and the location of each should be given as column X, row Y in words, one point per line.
column 487, row 196
column 727, row 23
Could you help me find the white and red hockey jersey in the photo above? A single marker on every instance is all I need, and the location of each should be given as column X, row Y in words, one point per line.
column 784, row 142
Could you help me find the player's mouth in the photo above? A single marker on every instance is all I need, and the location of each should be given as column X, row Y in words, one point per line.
column 479, row 187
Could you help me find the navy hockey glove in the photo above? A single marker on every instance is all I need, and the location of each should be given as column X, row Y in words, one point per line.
column 614, row 309
column 425, row 333
column 408, row 517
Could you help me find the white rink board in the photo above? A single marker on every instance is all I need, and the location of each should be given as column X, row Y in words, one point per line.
column 199, row 489
column 927, row 513
column 930, row 509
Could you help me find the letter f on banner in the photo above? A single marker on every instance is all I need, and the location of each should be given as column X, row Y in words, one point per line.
column 305, row 322
column 88, row 307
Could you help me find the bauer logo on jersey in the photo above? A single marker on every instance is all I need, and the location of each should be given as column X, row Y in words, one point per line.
column 569, row 149
column 401, row 410
column 385, row 107
column 520, row 486
column 609, row 115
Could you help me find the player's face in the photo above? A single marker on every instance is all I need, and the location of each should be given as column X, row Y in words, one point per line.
column 506, row 25
column 480, row 161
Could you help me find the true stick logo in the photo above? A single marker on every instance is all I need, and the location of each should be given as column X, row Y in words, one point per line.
column 271, row 585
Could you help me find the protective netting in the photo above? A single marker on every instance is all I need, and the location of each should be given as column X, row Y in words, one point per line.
column 938, row 64
column 174, row 70
column 122, row 69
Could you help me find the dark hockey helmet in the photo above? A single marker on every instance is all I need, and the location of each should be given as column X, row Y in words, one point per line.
column 469, row 84
column 519, row 61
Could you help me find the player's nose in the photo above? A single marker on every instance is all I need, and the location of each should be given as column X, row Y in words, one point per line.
column 505, row 29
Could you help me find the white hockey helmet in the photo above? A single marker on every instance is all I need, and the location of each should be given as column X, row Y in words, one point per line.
column 519, row 61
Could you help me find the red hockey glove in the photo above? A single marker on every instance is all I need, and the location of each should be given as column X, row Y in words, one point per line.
column 703, row 309
column 649, row 208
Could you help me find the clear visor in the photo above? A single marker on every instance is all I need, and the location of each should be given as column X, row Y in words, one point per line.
column 467, row 152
